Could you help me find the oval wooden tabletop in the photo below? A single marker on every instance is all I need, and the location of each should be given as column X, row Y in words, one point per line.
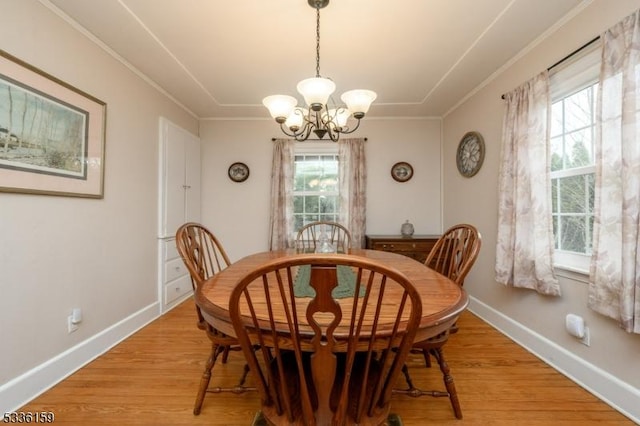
column 442, row 299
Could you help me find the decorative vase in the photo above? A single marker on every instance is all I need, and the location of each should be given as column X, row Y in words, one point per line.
column 406, row 229
column 324, row 245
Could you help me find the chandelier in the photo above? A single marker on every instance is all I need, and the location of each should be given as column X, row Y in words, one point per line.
column 318, row 116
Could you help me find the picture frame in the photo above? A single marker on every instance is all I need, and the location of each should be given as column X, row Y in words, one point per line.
column 238, row 172
column 402, row 171
column 52, row 135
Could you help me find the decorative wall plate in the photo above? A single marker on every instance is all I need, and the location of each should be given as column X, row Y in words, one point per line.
column 402, row 171
column 238, row 172
column 470, row 154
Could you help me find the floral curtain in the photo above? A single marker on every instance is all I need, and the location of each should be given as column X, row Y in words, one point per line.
column 524, row 250
column 352, row 176
column 614, row 287
column 282, row 169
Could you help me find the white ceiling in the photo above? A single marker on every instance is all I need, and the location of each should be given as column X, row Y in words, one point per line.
column 219, row 58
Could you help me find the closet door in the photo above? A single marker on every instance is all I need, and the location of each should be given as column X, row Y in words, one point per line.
column 179, row 178
column 179, row 202
column 192, row 179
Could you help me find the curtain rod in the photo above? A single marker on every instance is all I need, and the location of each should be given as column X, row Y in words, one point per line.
column 314, row 139
column 578, row 50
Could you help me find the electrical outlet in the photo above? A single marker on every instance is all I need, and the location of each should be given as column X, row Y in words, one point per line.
column 586, row 339
column 72, row 326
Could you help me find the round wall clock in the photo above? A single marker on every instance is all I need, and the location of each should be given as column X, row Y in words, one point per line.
column 470, row 154
column 402, row 171
column 238, row 172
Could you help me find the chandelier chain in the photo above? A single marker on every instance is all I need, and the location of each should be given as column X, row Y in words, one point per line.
column 317, row 42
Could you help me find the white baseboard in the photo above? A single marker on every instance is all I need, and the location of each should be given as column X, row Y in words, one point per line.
column 17, row 392
column 610, row 389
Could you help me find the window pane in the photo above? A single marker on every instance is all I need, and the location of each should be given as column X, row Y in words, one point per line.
column 578, row 108
column 328, row 204
column 573, row 231
column 298, row 204
column 329, row 183
column 312, row 177
column 329, row 217
column 311, row 203
column 572, row 192
column 556, row 119
column 554, row 195
column 557, row 153
column 579, row 149
column 298, row 180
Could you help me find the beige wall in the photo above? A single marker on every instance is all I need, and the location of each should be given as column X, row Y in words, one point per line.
column 239, row 212
column 474, row 200
column 57, row 253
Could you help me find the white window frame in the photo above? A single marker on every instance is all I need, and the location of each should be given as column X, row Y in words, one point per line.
column 314, row 148
column 568, row 78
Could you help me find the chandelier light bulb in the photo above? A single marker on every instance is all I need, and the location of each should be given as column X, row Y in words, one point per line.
column 316, row 91
column 280, row 106
column 337, row 116
column 295, row 120
column 358, row 101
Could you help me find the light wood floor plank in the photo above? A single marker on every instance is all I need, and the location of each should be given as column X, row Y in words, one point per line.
column 152, row 378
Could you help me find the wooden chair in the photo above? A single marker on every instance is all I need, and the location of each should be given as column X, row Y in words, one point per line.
column 453, row 255
column 204, row 256
column 323, row 360
column 309, row 236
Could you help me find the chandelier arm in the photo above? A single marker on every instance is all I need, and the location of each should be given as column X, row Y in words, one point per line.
column 302, row 134
column 329, row 125
column 346, row 130
column 334, row 134
column 305, row 131
column 287, row 131
column 330, row 119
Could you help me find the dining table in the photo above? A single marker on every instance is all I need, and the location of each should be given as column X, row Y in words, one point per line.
column 442, row 299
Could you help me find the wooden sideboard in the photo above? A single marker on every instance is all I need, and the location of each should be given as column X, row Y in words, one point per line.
column 416, row 246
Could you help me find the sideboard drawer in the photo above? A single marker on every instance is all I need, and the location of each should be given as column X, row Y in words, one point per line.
column 416, row 247
column 402, row 246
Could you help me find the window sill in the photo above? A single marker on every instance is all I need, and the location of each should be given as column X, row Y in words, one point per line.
column 572, row 273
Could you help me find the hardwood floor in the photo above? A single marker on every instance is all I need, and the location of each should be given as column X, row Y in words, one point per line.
column 152, row 379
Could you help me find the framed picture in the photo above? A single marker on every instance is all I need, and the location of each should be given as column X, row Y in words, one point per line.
column 238, row 172
column 402, row 171
column 52, row 135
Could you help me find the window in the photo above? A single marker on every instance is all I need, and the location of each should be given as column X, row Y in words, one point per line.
column 574, row 91
column 315, row 188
